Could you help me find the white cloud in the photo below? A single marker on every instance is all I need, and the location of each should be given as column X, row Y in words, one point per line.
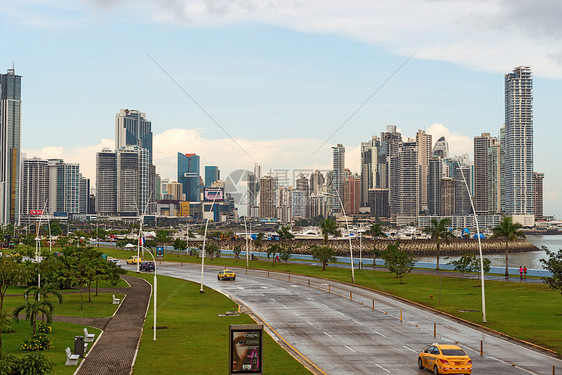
column 458, row 143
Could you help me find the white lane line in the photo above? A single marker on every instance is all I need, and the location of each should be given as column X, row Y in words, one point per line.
column 310, row 323
column 382, row 367
column 339, row 312
column 328, row 334
column 295, row 313
column 272, row 299
column 378, row 333
column 350, row 349
column 410, row 349
column 358, row 322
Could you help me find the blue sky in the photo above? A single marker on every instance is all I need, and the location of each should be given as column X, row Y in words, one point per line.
column 279, row 76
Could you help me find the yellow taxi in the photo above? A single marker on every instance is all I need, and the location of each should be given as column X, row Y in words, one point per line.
column 134, row 260
column 445, row 359
column 226, row 275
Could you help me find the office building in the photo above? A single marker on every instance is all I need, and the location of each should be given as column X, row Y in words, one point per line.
column 133, row 129
column 538, row 179
column 132, row 181
column 189, row 176
column 10, row 147
column 518, row 146
column 174, row 191
column 338, row 168
column 481, row 189
column 369, row 168
column 423, row 147
column 268, row 197
column 378, row 203
column 212, row 174
column 254, row 191
column 435, row 174
column 84, row 200
column 441, row 148
column 35, row 188
column 494, row 177
column 106, row 183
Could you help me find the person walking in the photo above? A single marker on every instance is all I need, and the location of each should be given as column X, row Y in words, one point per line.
column 521, row 273
column 525, row 272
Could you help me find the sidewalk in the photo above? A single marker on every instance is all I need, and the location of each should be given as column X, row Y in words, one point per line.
column 115, row 350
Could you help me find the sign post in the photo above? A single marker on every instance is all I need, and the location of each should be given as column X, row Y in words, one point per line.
column 245, row 349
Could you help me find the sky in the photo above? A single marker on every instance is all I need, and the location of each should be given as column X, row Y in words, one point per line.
column 277, row 82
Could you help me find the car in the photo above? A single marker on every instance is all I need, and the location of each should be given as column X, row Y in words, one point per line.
column 147, row 266
column 115, row 261
column 134, row 260
column 226, row 275
column 445, row 359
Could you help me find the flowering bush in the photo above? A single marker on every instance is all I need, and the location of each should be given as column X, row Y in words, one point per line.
column 42, row 327
column 37, row 342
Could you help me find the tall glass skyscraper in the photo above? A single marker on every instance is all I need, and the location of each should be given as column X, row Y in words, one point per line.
column 518, row 146
column 212, row 174
column 188, row 175
column 338, row 167
column 133, row 129
column 10, row 146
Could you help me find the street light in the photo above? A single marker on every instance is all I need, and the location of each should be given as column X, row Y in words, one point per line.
column 247, row 256
column 348, row 234
column 204, row 238
column 479, row 248
column 155, row 292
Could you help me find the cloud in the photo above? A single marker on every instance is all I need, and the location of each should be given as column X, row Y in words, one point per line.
column 458, row 143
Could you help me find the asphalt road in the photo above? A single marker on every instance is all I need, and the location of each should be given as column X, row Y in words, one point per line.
column 335, row 327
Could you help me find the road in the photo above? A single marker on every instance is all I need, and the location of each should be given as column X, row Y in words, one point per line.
column 335, row 327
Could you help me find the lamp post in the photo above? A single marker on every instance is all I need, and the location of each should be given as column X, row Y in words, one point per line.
column 203, row 249
column 247, row 255
column 155, row 292
column 348, row 235
column 479, row 248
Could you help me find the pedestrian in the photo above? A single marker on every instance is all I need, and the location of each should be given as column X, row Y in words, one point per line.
column 525, row 272
column 521, row 273
column 277, row 258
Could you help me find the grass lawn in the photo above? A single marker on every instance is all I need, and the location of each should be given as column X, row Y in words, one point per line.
column 101, row 305
column 62, row 336
column 196, row 340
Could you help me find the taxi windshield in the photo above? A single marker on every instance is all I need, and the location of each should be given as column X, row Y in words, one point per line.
column 453, row 352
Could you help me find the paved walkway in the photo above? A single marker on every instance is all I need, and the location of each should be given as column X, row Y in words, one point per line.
column 114, row 351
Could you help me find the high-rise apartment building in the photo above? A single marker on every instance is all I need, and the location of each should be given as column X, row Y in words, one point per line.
column 106, row 183
column 132, row 181
column 254, row 191
column 188, row 176
column 174, row 191
column 212, row 174
column 84, row 201
column 447, row 196
column 317, row 181
column 434, row 186
column 408, row 177
column 481, row 189
column 369, row 168
column 35, row 188
column 133, row 129
column 284, row 204
column 10, row 147
column 268, row 197
column 64, row 187
column 441, row 148
column 538, row 179
column 494, row 177
column 338, row 168
column 352, row 194
column 423, row 146
column 518, row 146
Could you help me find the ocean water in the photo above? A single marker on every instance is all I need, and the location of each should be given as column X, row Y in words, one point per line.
column 529, row 259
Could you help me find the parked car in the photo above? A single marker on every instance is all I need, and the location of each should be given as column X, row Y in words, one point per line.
column 147, row 266
column 226, row 275
column 134, row 260
column 115, row 261
column 445, row 359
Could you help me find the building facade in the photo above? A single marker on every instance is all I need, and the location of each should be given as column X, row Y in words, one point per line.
column 189, row 176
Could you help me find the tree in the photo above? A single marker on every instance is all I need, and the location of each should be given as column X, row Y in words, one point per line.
column 272, row 250
column 329, row 227
column 397, row 261
column 286, row 253
column 510, row 231
column 55, row 229
column 464, row 264
column 324, row 254
column 438, row 231
column 554, row 265
column 43, row 291
column 285, row 233
column 375, row 230
column 4, row 326
column 259, row 240
column 237, row 250
column 180, row 244
column 32, row 309
column 213, row 250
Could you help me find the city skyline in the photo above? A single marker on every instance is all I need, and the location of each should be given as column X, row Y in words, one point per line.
column 277, row 87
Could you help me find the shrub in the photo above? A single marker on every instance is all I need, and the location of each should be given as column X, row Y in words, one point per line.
column 43, row 327
column 7, row 363
column 34, row 364
column 37, row 342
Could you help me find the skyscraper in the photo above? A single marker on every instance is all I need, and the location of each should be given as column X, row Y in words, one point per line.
column 481, row 189
column 518, row 169
column 132, row 181
column 188, row 176
column 10, row 147
column 133, row 129
column 423, row 146
column 35, row 187
column 106, row 183
column 494, row 177
column 268, row 197
column 369, row 168
column 538, row 181
column 338, row 167
column 441, row 148
column 253, row 191
column 212, row 174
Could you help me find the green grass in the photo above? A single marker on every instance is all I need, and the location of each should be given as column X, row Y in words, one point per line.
column 62, row 336
column 196, row 340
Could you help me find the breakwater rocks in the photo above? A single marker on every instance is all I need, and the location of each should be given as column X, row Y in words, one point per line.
column 422, row 247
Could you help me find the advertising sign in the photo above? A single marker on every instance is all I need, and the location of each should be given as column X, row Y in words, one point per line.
column 36, row 212
column 245, row 349
column 159, row 251
column 210, row 193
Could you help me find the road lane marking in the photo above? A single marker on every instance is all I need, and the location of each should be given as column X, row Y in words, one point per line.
column 350, row 349
column 295, row 313
column 410, row 349
column 310, row 323
column 382, row 367
column 272, row 299
column 378, row 333
column 358, row 322
column 328, row 334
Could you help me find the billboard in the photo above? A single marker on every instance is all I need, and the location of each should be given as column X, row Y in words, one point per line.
column 36, row 212
column 210, row 193
column 246, row 349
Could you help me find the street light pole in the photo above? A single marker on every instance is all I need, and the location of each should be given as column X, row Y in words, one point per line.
column 247, row 255
column 348, row 236
column 479, row 249
column 155, row 292
column 203, row 250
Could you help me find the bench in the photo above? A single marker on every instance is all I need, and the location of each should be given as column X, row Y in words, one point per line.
column 88, row 337
column 116, row 301
column 71, row 359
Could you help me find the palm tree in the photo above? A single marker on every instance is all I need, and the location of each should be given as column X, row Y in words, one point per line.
column 32, row 309
column 324, row 254
column 43, row 291
column 329, row 227
column 438, row 230
column 375, row 230
column 510, row 231
column 285, row 233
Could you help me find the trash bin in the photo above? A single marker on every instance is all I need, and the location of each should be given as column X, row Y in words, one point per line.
column 79, row 346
